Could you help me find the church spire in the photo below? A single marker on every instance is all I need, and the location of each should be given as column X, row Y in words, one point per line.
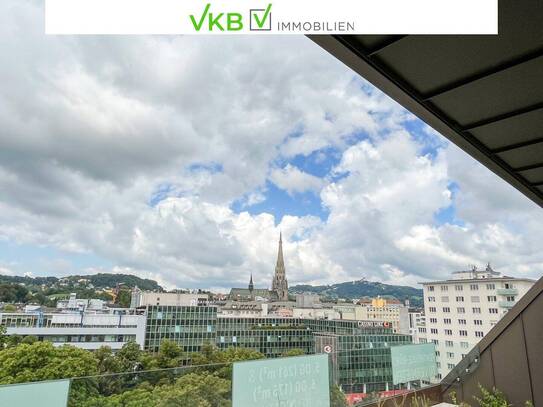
column 280, row 266
column 251, row 286
column 279, row 283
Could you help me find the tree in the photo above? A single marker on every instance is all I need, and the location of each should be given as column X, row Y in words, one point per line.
column 42, row 361
column 293, row 352
column 130, row 357
column 337, row 397
column 29, row 340
column 123, row 299
column 10, row 308
column 3, row 336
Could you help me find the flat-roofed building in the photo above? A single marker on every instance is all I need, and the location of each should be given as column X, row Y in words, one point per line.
column 462, row 310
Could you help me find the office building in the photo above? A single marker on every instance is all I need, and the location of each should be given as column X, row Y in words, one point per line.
column 81, row 329
column 361, row 360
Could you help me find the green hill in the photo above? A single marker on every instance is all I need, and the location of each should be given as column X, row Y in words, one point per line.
column 362, row 288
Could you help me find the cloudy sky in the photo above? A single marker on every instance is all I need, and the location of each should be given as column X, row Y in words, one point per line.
column 181, row 159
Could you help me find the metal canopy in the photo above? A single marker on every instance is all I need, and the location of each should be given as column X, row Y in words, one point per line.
column 484, row 93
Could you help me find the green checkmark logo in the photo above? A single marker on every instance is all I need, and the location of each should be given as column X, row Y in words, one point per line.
column 259, row 22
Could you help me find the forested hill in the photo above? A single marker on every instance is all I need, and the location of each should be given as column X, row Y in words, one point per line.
column 98, row 281
column 363, row 288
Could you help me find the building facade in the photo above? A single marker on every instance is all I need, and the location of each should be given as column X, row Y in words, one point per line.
column 360, row 350
column 460, row 311
column 83, row 330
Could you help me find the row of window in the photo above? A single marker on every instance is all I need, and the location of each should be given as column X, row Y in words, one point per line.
column 472, row 287
column 461, row 332
column 448, row 321
column 474, row 298
column 462, row 310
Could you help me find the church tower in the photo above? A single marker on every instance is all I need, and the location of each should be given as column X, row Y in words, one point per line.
column 279, row 283
column 251, row 287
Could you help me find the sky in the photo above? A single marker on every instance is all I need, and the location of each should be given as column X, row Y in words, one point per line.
column 181, row 159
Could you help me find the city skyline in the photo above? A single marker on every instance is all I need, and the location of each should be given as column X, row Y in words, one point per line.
column 181, row 159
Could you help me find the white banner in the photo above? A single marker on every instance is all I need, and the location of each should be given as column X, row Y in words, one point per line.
column 271, row 17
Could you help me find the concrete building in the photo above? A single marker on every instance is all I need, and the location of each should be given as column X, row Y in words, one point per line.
column 378, row 310
column 462, row 310
column 144, row 298
column 80, row 304
column 83, row 330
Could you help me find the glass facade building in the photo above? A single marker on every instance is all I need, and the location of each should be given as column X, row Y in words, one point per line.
column 359, row 350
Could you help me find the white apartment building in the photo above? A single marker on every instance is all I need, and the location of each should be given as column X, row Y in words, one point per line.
column 460, row 311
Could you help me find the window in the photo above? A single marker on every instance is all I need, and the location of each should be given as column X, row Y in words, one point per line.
column 444, row 288
column 475, row 298
column 490, row 286
column 438, row 376
column 446, row 309
column 459, row 299
column 476, row 310
column 464, row 345
column 473, row 287
column 431, row 299
column 448, row 331
column 450, row 366
column 422, row 340
column 462, row 322
column 510, row 298
column 438, row 353
column 435, row 341
column 493, row 310
column 444, row 299
column 491, row 298
column 458, row 287
column 433, row 320
column 438, row 364
column 449, row 344
column 461, row 310
column 478, row 322
column 509, row 285
column 479, row 334
column 447, row 320
column 432, row 309
column 463, row 332
column 433, row 330
column 430, row 288
column 450, row 355
column 422, row 330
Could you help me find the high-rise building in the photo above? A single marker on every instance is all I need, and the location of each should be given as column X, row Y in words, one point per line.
column 279, row 283
column 460, row 311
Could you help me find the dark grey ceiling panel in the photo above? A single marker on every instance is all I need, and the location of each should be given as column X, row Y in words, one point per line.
column 509, row 132
column 524, row 156
column 494, row 95
column 535, row 175
column 430, row 62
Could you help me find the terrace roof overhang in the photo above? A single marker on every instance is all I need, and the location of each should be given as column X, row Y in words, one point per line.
column 484, row 93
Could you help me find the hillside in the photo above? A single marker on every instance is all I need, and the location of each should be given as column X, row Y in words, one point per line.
column 99, row 281
column 47, row 290
column 363, row 288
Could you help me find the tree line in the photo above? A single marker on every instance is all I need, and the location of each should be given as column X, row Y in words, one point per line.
column 131, row 377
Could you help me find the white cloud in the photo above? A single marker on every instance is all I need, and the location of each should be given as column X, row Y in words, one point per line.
column 193, row 124
column 293, row 180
